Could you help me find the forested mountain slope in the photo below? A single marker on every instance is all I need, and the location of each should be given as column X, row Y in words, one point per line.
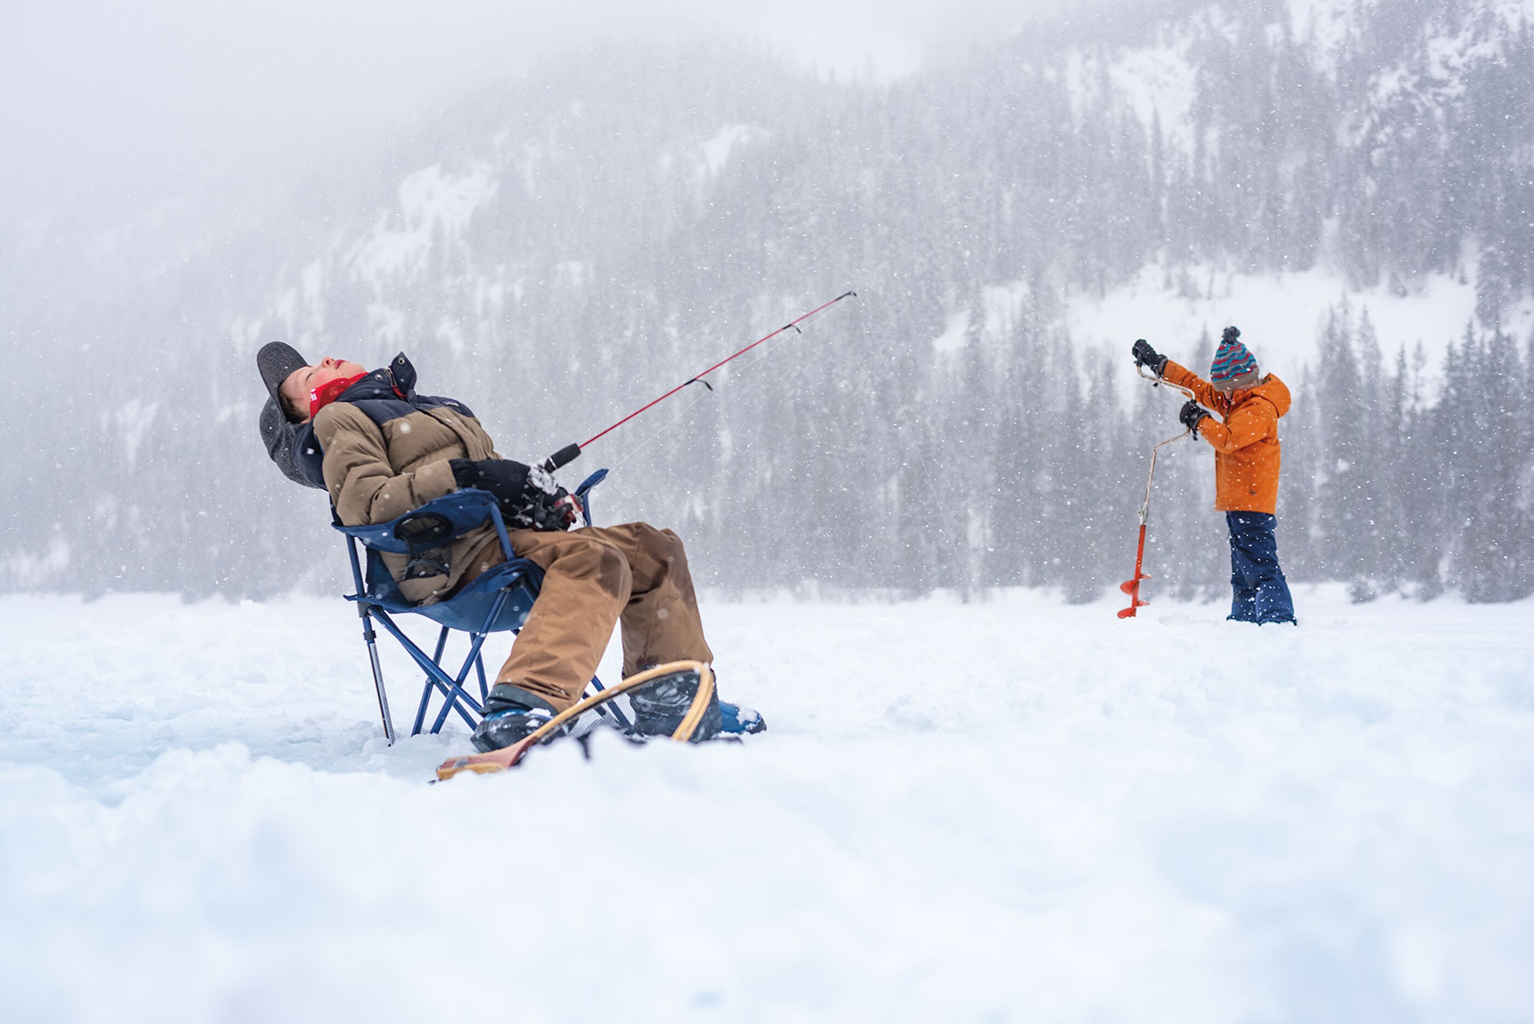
column 558, row 249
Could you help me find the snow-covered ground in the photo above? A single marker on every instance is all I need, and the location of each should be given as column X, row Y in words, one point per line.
column 1011, row 810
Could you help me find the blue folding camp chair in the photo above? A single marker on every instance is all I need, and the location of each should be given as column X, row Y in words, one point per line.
column 497, row 600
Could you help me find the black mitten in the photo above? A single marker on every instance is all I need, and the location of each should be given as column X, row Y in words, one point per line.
column 1191, row 415
column 1147, row 356
column 528, row 496
column 505, row 479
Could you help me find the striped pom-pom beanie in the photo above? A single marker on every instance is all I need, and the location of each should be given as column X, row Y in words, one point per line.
column 1233, row 364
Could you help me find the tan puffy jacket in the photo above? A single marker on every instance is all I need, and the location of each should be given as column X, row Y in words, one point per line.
column 385, row 456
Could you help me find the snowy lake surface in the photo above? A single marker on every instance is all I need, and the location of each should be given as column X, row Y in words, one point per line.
column 1005, row 810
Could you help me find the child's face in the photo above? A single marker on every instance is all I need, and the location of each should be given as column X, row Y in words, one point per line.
column 1229, row 387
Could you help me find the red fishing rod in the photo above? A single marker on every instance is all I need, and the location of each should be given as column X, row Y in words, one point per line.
column 570, row 452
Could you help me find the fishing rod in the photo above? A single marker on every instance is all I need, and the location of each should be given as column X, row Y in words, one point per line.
column 570, row 452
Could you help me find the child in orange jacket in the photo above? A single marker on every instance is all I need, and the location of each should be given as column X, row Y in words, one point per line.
column 1247, row 455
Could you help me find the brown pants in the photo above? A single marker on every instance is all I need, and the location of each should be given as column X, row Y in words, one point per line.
column 593, row 578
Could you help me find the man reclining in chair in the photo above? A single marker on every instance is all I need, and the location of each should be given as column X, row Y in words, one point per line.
column 381, row 451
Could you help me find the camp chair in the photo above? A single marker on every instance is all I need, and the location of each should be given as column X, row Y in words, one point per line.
column 495, row 601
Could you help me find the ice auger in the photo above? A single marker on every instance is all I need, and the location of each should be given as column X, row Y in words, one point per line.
column 1132, row 586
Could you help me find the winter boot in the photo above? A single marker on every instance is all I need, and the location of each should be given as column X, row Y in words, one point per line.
column 737, row 720
column 661, row 704
column 509, row 717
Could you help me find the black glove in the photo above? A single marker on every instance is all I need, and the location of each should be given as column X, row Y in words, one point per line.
column 1191, row 415
column 1147, row 356
column 558, row 511
column 528, row 496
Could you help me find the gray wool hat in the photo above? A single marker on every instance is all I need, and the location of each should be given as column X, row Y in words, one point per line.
column 276, row 362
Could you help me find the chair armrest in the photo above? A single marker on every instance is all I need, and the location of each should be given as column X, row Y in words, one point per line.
column 464, row 510
column 583, row 492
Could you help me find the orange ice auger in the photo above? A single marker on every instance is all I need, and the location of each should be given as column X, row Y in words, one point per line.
column 1132, row 587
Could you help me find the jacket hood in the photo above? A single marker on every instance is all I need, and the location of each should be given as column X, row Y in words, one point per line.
column 1273, row 390
column 397, row 380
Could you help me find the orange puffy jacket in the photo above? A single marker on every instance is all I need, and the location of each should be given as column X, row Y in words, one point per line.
column 1246, row 449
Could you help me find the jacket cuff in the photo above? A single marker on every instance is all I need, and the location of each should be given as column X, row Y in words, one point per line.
column 1174, row 372
column 434, row 480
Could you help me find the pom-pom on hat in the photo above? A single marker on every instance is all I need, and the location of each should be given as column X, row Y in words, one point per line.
column 1233, row 365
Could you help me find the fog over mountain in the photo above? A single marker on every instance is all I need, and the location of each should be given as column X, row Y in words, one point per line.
column 1352, row 183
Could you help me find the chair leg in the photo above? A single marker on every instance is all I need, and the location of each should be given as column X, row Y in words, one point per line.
column 371, row 638
column 455, row 695
column 452, row 701
column 426, row 691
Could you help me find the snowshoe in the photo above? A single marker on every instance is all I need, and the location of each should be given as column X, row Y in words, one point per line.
column 676, row 700
column 662, row 704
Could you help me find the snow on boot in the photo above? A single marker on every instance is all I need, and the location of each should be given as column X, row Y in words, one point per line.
column 506, row 725
column 661, row 704
column 737, row 720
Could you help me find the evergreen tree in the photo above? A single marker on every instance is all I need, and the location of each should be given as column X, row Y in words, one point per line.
column 1344, row 514
column 1489, row 563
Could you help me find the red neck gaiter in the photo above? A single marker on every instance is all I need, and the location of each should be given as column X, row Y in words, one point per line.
column 327, row 393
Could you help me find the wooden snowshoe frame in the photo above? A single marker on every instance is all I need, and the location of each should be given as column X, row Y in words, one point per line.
column 500, row 760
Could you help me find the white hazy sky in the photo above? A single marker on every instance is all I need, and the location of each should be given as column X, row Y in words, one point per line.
column 94, row 90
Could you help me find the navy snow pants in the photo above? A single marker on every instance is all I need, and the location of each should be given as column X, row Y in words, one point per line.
column 1259, row 591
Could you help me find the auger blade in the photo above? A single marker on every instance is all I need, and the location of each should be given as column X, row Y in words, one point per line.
column 1132, row 588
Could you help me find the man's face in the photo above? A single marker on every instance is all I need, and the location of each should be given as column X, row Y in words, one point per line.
column 295, row 390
